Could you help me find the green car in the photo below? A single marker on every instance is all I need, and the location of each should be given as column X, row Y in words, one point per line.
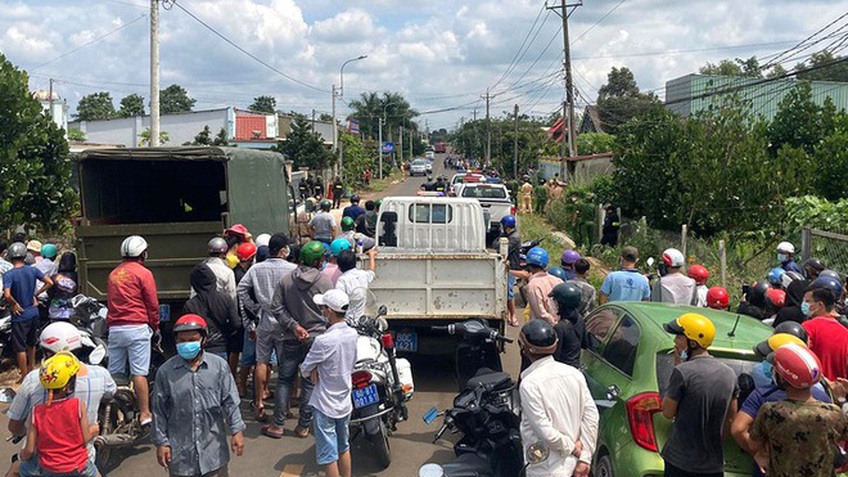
column 627, row 364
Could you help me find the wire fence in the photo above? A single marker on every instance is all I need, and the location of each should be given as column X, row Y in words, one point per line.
column 829, row 247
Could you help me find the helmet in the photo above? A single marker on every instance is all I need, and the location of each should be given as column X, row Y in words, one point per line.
column 538, row 337
column 246, row 251
column 325, row 205
column 56, row 372
column 775, row 276
column 354, row 198
column 191, row 322
column 792, row 328
column 567, row 296
column 694, row 326
column 673, row 257
column 699, row 273
column 217, row 245
column 717, row 298
column 774, row 342
column 797, row 365
column 537, row 256
column 238, row 229
column 830, row 283
column 558, row 272
column 313, row 251
column 17, row 250
column 785, row 247
column 60, row 336
column 348, row 224
column 757, row 293
column 569, row 257
column 508, row 221
column 133, row 246
column 813, row 264
column 824, row 273
column 263, row 239
column 49, row 251
column 338, row 246
column 789, row 277
column 776, row 297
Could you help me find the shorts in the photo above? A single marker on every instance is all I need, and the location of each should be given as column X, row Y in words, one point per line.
column 24, row 335
column 129, row 343
column 510, row 287
column 267, row 342
column 31, row 468
column 331, row 437
column 248, row 353
column 235, row 342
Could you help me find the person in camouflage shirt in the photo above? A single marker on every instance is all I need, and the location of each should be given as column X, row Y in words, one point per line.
column 797, row 437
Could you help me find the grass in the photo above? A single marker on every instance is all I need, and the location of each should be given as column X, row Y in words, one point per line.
column 380, row 185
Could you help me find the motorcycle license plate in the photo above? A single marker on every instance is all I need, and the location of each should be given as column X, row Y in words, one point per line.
column 164, row 313
column 406, row 342
column 365, row 396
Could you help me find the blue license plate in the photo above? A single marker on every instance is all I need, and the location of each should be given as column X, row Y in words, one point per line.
column 406, row 342
column 164, row 313
column 365, row 396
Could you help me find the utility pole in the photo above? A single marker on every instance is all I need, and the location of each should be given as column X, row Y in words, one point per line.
column 411, row 140
column 380, row 143
column 400, row 140
column 488, row 158
column 568, row 141
column 50, row 101
column 154, row 73
column 515, row 145
column 335, row 128
column 313, row 120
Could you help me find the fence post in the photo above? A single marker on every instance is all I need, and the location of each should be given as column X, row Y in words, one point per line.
column 683, row 232
column 806, row 244
column 722, row 253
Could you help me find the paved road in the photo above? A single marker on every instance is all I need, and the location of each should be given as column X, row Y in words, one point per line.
column 290, row 456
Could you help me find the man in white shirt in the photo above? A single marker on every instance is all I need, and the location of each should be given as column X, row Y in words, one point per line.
column 557, row 408
column 354, row 282
column 674, row 287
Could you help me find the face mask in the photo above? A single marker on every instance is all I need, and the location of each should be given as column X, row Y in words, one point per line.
column 768, row 369
column 323, row 266
column 684, row 355
column 188, row 350
column 805, row 309
column 781, row 257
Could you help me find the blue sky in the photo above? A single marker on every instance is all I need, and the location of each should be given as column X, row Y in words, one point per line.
column 442, row 55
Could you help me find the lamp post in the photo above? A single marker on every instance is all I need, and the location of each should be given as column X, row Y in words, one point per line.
column 380, row 121
column 340, row 91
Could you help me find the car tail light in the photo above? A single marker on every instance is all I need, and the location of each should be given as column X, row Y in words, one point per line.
column 512, row 210
column 360, row 379
column 388, row 341
column 640, row 414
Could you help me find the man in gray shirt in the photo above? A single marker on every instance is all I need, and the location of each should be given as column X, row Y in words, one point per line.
column 675, row 287
column 322, row 227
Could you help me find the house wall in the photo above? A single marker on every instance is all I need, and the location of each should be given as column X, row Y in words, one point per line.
column 181, row 128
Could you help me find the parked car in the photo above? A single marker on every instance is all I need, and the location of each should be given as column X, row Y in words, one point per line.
column 462, row 178
column 628, row 362
column 495, row 200
column 418, row 166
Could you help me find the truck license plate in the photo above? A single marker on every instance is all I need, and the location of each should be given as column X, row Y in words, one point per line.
column 365, row 396
column 406, row 342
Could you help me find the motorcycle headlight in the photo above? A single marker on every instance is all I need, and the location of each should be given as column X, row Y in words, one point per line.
column 431, row 470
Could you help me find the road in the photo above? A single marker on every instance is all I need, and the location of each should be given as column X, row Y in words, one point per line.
column 291, row 456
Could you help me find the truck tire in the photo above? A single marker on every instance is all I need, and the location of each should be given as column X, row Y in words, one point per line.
column 382, row 446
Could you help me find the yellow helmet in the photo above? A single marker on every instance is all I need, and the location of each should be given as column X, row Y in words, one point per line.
column 694, row 326
column 58, row 370
column 776, row 341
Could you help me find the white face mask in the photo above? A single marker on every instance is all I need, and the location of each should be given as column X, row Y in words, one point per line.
column 781, row 257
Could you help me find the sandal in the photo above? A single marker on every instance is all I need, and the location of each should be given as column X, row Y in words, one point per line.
column 272, row 431
column 302, row 432
column 259, row 412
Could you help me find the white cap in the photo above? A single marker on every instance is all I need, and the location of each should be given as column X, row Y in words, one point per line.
column 334, row 299
column 785, row 247
column 673, row 257
column 263, row 240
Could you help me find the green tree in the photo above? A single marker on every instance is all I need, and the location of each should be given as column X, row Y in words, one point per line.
column 145, row 138
column 595, row 143
column 619, row 100
column 831, row 159
column 303, row 146
column 175, row 99
column 369, row 109
column 221, row 138
column 95, row 107
column 356, row 160
column 131, row 106
column 203, row 138
column 76, row 134
column 800, row 122
column 34, row 158
column 829, row 68
column 738, row 67
column 264, row 104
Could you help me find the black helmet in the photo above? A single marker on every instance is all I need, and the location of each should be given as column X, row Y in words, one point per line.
column 567, row 296
column 813, row 264
column 16, row 251
column 793, row 328
column 757, row 294
column 538, row 337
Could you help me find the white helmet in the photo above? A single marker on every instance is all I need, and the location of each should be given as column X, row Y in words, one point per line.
column 60, row 336
column 673, row 257
column 785, row 247
column 263, row 240
column 133, row 246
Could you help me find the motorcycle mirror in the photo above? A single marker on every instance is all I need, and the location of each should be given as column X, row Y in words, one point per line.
column 382, row 311
column 431, row 470
column 650, row 261
column 382, row 324
column 97, row 355
column 538, row 452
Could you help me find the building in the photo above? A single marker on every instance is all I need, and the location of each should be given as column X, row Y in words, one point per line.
column 693, row 93
column 55, row 108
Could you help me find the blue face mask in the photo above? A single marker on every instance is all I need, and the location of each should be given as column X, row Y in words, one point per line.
column 684, row 355
column 188, row 350
column 781, row 257
column 805, row 309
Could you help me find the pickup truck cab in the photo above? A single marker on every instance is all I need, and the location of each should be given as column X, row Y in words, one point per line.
column 494, row 198
column 434, row 269
column 464, row 178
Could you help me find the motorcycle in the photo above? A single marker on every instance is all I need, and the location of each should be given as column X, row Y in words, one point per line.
column 478, row 349
column 382, row 384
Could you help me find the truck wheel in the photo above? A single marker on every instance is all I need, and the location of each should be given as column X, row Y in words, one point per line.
column 381, row 443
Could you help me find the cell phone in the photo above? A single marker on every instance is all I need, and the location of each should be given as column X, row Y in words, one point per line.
column 746, row 289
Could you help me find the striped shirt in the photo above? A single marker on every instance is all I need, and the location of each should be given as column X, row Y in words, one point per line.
column 256, row 292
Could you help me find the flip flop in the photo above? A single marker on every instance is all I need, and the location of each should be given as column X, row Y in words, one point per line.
column 302, row 432
column 259, row 412
column 272, row 431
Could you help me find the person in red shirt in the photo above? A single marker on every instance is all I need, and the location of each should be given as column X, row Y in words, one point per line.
column 133, row 319
column 828, row 338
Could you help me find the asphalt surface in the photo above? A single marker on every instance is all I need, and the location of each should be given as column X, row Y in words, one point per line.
column 435, row 386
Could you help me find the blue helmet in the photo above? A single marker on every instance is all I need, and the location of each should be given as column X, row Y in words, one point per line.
column 830, row 283
column 339, row 245
column 558, row 272
column 775, row 276
column 537, row 256
column 508, row 221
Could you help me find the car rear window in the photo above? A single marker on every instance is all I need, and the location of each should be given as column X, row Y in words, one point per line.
column 665, row 364
column 484, row 192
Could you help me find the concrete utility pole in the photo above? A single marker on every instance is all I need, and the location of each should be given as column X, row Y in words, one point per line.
column 380, row 144
column 515, row 145
column 568, row 140
column 411, row 140
column 154, row 73
column 488, row 158
column 400, row 142
column 335, row 127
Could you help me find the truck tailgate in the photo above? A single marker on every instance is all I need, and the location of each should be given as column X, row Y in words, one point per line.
column 450, row 286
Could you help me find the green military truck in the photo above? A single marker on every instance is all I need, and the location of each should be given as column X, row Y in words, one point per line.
column 177, row 198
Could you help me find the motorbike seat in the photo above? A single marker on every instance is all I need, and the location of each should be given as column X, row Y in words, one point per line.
column 121, row 379
column 495, row 380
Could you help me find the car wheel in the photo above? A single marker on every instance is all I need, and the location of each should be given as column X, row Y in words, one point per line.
column 603, row 468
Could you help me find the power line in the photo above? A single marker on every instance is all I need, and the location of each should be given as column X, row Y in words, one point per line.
column 519, row 55
column 604, row 17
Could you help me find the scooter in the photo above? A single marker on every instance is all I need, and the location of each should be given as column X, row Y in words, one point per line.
column 382, row 384
column 478, row 349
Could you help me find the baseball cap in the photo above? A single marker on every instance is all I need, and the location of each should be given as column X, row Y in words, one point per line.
column 631, row 254
column 334, row 299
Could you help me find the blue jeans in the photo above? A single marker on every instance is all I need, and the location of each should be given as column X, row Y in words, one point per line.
column 332, row 437
column 294, row 352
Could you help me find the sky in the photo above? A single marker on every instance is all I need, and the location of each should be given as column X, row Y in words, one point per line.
column 441, row 55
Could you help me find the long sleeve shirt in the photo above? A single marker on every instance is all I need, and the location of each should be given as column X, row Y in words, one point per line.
column 194, row 412
column 333, row 354
column 541, row 305
column 225, row 278
column 256, row 292
column 557, row 409
column 131, row 296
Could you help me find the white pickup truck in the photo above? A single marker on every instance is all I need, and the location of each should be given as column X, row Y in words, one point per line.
column 433, row 268
column 494, row 198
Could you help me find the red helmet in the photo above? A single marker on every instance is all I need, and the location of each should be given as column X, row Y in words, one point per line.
column 699, row 273
column 797, row 365
column 717, row 298
column 776, row 296
column 191, row 323
column 246, row 251
column 238, row 229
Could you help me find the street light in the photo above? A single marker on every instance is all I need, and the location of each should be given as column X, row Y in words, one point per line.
column 340, row 90
column 380, row 122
